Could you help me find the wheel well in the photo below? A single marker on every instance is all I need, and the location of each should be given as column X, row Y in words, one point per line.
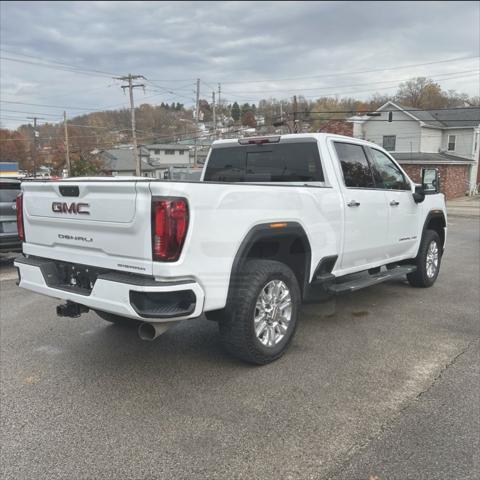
column 437, row 224
column 291, row 249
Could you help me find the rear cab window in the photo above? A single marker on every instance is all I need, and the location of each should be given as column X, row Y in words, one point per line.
column 269, row 162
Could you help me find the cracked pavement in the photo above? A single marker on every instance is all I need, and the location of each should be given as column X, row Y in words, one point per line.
column 383, row 383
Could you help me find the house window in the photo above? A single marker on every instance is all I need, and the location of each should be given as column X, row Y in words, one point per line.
column 181, row 152
column 389, row 142
column 169, row 152
column 157, row 152
column 451, row 143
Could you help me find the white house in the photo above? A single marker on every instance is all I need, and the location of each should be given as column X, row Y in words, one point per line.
column 167, row 154
column 442, row 137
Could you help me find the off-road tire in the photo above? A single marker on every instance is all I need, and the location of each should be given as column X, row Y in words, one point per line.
column 118, row 320
column 419, row 278
column 236, row 326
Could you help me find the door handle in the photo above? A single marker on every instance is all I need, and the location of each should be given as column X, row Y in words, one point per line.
column 353, row 203
column 394, row 203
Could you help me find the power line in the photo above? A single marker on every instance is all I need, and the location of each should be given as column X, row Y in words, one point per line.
column 358, row 72
column 29, row 113
column 45, row 105
column 448, row 74
column 54, row 64
column 333, row 93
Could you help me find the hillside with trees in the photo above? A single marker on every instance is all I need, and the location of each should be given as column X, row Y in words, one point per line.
column 167, row 123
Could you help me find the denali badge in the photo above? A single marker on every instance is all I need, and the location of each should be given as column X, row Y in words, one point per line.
column 75, row 237
column 63, row 207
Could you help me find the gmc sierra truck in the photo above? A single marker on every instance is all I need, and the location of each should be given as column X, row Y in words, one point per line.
column 273, row 222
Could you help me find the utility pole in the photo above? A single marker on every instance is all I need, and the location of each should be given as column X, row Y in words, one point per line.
column 295, row 114
column 35, row 135
column 67, row 146
column 197, row 107
column 130, row 78
column 220, row 111
column 214, row 116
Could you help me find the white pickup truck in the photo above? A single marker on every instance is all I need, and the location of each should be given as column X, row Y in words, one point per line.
column 273, row 222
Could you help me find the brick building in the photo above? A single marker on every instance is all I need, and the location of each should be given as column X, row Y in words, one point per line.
column 453, row 173
column 338, row 127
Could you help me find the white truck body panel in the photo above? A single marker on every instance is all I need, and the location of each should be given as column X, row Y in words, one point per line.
column 117, row 235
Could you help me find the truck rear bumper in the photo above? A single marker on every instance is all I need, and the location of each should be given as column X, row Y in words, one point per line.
column 133, row 296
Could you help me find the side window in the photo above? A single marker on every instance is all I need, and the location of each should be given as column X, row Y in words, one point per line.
column 387, row 173
column 355, row 166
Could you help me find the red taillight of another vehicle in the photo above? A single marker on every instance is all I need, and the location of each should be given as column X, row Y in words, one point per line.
column 19, row 205
column 169, row 228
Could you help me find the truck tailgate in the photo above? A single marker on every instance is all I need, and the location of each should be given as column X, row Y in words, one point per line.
column 102, row 223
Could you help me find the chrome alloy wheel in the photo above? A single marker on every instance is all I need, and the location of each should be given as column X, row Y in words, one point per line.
column 432, row 259
column 273, row 312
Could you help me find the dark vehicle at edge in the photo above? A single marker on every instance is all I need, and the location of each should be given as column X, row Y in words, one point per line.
column 9, row 189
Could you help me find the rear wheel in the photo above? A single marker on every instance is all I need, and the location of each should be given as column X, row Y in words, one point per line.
column 261, row 318
column 427, row 261
column 117, row 319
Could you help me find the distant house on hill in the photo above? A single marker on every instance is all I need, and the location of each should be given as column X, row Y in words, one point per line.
column 168, row 155
column 447, row 139
column 156, row 159
column 121, row 162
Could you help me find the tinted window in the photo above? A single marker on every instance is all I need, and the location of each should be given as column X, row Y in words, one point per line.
column 388, row 175
column 288, row 162
column 9, row 192
column 226, row 165
column 355, row 166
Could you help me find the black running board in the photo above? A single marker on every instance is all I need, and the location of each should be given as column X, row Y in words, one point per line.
column 369, row 280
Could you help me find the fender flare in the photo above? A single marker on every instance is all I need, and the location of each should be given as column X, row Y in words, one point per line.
column 430, row 215
column 266, row 230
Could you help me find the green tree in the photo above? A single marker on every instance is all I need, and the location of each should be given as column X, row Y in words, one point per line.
column 236, row 112
column 84, row 168
column 245, row 108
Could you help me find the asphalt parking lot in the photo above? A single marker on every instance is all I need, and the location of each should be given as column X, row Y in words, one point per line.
column 383, row 384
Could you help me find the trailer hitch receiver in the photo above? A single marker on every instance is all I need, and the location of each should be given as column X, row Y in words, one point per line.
column 71, row 309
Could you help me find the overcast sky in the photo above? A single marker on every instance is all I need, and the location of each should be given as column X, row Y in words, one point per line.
column 309, row 48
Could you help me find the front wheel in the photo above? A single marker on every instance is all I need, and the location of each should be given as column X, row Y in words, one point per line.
column 427, row 261
column 262, row 315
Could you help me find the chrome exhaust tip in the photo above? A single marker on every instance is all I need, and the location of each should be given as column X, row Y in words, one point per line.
column 150, row 331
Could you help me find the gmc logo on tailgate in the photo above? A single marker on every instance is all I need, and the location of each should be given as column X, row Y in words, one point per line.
column 64, row 207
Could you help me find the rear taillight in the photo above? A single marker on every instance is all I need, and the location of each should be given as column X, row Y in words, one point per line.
column 19, row 205
column 169, row 228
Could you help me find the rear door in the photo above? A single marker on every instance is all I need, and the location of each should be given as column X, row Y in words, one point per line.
column 402, row 209
column 103, row 223
column 366, row 213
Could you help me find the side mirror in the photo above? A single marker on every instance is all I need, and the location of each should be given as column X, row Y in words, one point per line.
column 419, row 194
column 430, row 181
